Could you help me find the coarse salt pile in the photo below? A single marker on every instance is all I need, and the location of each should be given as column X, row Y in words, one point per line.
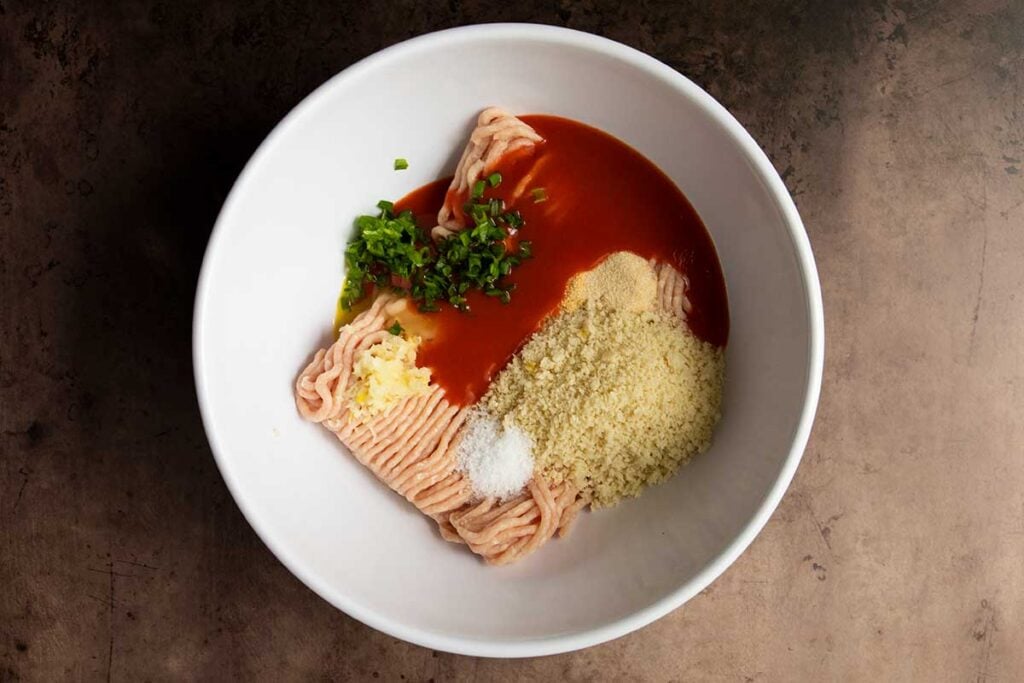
column 497, row 461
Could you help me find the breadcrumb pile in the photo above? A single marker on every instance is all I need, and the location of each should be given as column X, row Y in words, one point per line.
column 614, row 399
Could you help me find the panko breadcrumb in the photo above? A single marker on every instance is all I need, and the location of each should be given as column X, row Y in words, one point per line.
column 614, row 400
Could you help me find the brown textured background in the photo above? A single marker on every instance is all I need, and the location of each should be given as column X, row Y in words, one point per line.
column 898, row 554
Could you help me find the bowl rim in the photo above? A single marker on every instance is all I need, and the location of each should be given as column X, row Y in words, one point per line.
column 812, row 298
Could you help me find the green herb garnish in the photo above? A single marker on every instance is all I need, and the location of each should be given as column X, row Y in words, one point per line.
column 395, row 329
column 539, row 195
column 401, row 164
column 391, row 251
column 494, row 179
column 514, row 219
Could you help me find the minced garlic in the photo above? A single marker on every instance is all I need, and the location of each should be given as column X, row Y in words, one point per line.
column 385, row 374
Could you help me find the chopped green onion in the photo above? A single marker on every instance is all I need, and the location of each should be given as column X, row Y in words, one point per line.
column 514, row 219
column 401, row 164
column 392, row 253
column 478, row 189
column 494, row 179
column 539, row 195
column 395, row 329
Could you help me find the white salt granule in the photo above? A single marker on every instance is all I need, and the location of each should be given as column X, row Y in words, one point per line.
column 498, row 462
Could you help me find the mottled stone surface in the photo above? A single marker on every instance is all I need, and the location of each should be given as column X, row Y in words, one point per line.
column 898, row 554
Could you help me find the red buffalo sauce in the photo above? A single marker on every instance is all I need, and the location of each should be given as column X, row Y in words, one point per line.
column 602, row 197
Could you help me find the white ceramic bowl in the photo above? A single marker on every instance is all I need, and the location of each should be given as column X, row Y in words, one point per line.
column 266, row 299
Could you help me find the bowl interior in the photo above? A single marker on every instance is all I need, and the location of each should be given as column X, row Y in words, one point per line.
column 266, row 300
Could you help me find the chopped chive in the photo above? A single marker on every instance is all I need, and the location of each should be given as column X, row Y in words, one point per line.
column 395, row 329
column 478, row 189
column 391, row 252
column 539, row 195
column 401, row 164
column 494, row 179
